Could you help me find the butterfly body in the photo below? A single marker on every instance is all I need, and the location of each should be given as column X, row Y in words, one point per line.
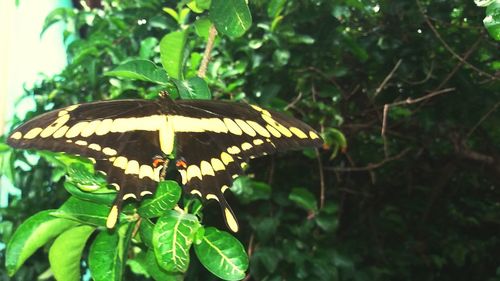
column 125, row 139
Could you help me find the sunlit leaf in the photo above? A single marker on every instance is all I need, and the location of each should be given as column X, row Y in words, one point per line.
column 31, row 235
column 231, row 17
column 193, row 88
column 172, row 238
column 165, row 198
column 65, row 254
column 172, row 53
column 108, row 254
column 304, row 198
column 144, row 70
column 222, row 254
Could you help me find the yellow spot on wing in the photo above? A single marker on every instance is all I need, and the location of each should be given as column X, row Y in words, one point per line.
column 16, row 135
column 109, row 151
column 95, row 146
column 193, row 171
column 206, row 169
column 233, row 150
column 313, row 135
column 129, row 195
column 258, row 141
column 81, row 142
column 146, row 192
column 217, row 164
column 259, row 129
column 246, row 146
column 52, row 128
column 90, row 129
column 230, row 220
column 132, row 167
column 211, row 196
column 104, row 127
column 60, row 132
column 196, row 192
column 273, row 131
column 233, row 127
column 226, row 158
column 282, row 129
column 245, row 127
column 224, row 188
column 147, row 171
column 33, row 133
column 183, row 176
column 76, row 129
column 298, row 133
column 120, row 162
column 112, row 217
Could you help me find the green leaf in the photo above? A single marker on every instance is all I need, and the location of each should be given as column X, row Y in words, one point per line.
column 36, row 231
column 203, row 4
column 165, row 198
column 65, row 254
column 172, row 53
column 202, row 27
column 84, row 179
column 222, row 254
column 172, row 238
column 146, row 232
column 58, row 14
column 193, row 88
column 83, row 211
column 108, row 253
column 231, row 17
column 101, row 196
column 249, row 190
column 144, row 70
column 304, row 198
column 158, row 273
column 147, row 47
column 492, row 20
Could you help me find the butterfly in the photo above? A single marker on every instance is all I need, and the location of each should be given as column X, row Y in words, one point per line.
column 131, row 141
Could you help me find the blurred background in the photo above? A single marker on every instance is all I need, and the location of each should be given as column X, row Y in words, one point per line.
column 406, row 93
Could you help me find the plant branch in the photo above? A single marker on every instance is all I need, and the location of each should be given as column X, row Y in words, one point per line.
column 208, row 50
column 322, row 180
column 485, row 116
column 370, row 166
column 387, row 78
column 440, row 38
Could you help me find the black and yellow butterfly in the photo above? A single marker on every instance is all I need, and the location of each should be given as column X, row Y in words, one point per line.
column 130, row 141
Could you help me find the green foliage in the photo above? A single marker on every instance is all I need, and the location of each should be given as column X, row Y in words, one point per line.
column 418, row 203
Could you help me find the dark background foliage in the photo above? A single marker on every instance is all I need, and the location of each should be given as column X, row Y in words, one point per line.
column 421, row 202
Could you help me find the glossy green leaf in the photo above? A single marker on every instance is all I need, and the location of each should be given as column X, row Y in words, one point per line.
column 108, row 253
column 231, row 17
column 172, row 53
column 101, row 196
column 58, row 14
column 222, row 254
column 158, row 273
column 202, row 26
column 84, row 179
column 36, row 231
column 492, row 20
column 83, row 211
column 193, row 88
column 146, row 232
column 248, row 190
column 165, row 198
column 147, row 49
column 65, row 254
column 304, row 198
column 203, row 4
column 172, row 238
column 144, row 70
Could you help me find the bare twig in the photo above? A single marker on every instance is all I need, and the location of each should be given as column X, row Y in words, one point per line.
column 322, row 180
column 406, row 102
column 427, row 76
column 471, row 131
column 387, row 78
column 292, row 104
column 370, row 166
column 208, row 50
column 440, row 38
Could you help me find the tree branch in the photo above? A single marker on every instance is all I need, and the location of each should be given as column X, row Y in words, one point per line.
column 208, row 50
